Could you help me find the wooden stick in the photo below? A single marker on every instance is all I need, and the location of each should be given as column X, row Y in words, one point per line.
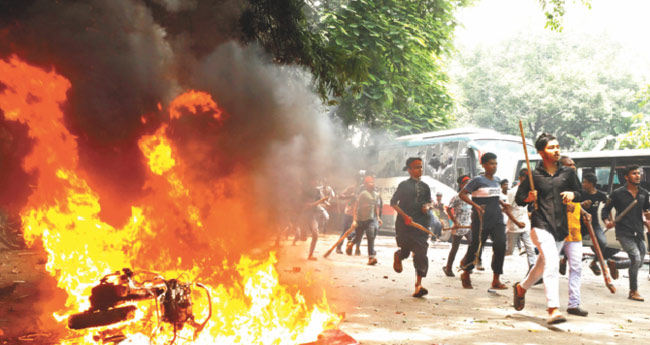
column 457, row 227
column 599, row 253
column 347, row 232
column 625, row 211
column 530, row 172
column 420, row 227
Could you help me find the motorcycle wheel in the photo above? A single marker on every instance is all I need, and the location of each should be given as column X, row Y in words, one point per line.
column 101, row 318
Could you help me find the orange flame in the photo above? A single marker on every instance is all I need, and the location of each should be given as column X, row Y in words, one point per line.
column 63, row 213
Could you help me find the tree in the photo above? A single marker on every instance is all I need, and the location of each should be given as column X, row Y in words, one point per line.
column 380, row 60
column 574, row 88
column 554, row 11
column 638, row 138
column 394, row 51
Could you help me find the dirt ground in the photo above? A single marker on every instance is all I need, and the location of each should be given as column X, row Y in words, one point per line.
column 379, row 309
column 377, row 305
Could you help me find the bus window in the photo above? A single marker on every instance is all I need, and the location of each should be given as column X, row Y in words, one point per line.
column 464, row 160
column 506, row 150
column 602, row 176
column 390, row 162
column 440, row 162
column 619, row 178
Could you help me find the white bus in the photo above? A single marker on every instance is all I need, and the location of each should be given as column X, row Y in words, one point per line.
column 446, row 155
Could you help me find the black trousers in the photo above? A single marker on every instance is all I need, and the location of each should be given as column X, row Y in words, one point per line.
column 497, row 233
column 417, row 245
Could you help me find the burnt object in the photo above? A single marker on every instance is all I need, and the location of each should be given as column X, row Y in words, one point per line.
column 108, row 301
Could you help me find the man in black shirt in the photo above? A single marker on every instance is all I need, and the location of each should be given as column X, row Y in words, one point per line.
column 629, row 229
column 555, row 186
column 593, row 199
column 412, row 201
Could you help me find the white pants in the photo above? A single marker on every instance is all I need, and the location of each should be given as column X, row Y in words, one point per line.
column 513, row 237
column 546, row 266
column 573, row 253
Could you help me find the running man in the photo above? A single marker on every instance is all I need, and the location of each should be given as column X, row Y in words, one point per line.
column 487, row 220
column 412, row 201
column 555, row 187
column 629, row 229
column 460, row 214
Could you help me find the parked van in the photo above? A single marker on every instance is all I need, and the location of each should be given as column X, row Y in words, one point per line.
column 608, row 167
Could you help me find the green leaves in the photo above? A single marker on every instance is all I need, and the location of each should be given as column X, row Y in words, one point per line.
column 392, row 54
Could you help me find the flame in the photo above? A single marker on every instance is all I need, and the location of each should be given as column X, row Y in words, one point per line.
column 63, row 213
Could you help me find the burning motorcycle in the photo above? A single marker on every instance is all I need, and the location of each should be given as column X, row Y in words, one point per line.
column 109, row 302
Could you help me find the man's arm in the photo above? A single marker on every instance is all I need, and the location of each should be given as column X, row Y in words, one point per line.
column 507, row 209
column 464, row 195
column 394, row 203
column 604, row 214
column 522, row 197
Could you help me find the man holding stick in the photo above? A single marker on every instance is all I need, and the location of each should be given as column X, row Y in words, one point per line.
column 556, row 186
column 460, row 213
column 487, row 220
column 412, row 201
column 629, row 201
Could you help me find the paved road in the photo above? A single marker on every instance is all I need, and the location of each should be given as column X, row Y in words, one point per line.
column 379, row 309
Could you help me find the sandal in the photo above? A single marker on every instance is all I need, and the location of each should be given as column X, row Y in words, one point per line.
column 518, row 301
column 421, row 292
column 466, row 281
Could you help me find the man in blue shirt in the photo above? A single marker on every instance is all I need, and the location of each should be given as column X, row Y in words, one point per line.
column 487, row 220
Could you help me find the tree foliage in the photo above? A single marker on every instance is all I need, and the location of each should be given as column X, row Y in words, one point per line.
column 639, row 137
column 577, row 89
column 554, row 11
column 381, row 61
column 394, row 51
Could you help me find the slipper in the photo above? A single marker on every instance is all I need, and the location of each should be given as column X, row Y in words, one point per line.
column 421, row 292
column 499, row 286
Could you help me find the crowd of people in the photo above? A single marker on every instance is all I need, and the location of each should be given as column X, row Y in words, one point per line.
column 544, row 215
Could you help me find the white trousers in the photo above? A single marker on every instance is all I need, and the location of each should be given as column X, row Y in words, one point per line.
column 573, row 253
column 546, row 266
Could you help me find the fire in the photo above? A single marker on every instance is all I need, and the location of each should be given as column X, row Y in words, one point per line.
column 169, row 230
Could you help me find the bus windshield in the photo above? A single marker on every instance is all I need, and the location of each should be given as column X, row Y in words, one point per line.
column 505, row 150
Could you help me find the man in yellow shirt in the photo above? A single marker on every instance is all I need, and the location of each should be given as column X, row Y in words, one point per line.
column 573, row 250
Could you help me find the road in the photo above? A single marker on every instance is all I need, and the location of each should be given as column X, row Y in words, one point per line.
column 379, row 309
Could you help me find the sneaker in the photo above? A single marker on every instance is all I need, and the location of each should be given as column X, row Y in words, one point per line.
column 563, row 266
column 594, row 268
column 555, row 317
column 348, row 248
column 613, row 271
column 397, row 262
column 480, row 267
column 357, row 252
column 634, row 295
column 372, row 261
column 577, row 311
column 448, row 271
